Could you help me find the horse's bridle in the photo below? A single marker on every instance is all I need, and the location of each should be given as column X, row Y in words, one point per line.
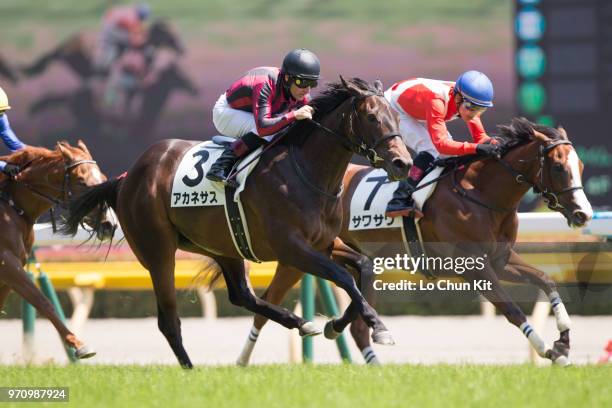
column 550, row 197
column 65, row 189
column 360, row 146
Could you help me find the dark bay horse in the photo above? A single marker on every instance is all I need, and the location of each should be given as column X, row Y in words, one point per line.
column 291, row 202
column 536, row 156
column 77, row 52
column 47, row 178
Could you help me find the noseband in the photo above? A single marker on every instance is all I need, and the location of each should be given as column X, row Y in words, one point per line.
column 550, row 197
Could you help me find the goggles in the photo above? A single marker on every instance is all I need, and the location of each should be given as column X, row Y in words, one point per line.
column 472, row 107
column 305, row 83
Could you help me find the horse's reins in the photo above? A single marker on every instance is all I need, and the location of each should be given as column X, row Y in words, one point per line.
column 361, row 148
column 66, row 190
column 267, row 147
column 65, row 185
column 551, row 197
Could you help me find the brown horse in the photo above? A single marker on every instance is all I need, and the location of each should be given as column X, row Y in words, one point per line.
column 475, row 205
column 47, row 178
column 291, row 202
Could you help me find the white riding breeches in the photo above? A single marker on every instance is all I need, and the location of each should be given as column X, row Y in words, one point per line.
column 416, row 136
column 233, row 122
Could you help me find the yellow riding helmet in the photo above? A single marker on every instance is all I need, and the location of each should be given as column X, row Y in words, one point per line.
column 4, row 102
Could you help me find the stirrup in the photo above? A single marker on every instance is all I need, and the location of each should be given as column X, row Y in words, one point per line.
column 405, row 212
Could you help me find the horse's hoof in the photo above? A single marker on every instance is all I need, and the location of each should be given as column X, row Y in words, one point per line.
column 329, row 331
column 383, row 337
column 84, row 352
column 561, row 347
column 309, row 329
column 562, row 361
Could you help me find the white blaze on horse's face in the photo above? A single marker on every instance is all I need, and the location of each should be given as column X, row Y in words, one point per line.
column 579, row 197
column 96, row 175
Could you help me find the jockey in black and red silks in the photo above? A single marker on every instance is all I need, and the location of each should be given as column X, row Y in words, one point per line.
column 261, row 103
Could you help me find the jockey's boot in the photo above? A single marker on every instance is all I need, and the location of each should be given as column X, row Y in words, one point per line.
column 220, row 170
column 402, row 203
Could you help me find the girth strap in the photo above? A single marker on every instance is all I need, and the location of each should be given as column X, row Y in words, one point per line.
column 238, row 227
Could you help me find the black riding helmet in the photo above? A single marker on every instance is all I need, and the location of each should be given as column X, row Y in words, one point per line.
column 301, row 63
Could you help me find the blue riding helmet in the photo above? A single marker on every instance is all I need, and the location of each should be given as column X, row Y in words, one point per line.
column 143, row 10
column 476, row 88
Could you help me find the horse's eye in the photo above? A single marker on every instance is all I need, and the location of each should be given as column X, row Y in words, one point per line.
column 558, row 167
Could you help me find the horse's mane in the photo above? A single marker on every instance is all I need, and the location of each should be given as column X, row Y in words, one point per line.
column 336, row 93
column 329, row 99
column 30, row 153
column 520, row 131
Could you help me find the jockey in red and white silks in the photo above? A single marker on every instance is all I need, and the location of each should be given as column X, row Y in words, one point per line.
column 424, row 106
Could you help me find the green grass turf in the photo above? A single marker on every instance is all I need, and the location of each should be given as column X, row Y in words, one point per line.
column 321, row 385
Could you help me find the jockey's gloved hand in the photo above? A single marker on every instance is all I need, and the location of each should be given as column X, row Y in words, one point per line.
column 305, row 112
column 11, row 170
column 491, row 140
column 487, row 150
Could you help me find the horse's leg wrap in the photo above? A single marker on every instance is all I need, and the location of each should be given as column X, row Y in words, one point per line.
column 534, row 338
column 247, row 350
column 561, row 315
column 370, row 356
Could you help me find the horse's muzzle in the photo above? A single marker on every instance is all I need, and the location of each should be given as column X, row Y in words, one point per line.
column 399, row 168
column 579, row 219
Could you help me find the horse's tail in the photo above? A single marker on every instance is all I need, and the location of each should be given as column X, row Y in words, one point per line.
column 208, row 275
column 105, row 193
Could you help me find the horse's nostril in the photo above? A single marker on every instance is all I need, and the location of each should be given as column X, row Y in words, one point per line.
column 581, row 217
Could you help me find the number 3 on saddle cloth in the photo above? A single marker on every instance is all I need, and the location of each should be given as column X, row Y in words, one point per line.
column 191, row 188
column 369, row 202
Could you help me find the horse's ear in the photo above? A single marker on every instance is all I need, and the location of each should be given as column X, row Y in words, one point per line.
column 563, row 133
column 540, row 137
column 65, row 151
column 354, row 90
column 379, row 86
column 344, row 84
column 83, row 147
